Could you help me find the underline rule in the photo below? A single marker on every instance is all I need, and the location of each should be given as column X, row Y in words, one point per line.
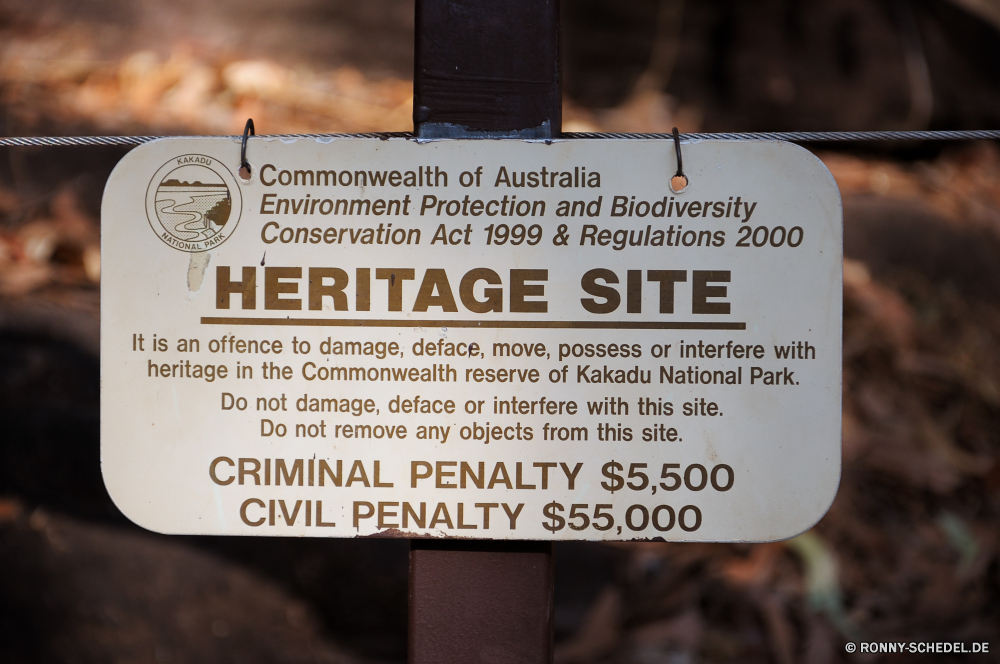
column 485, row 324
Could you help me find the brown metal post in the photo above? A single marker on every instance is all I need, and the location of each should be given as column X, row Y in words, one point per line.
column 484, row 69
column 487, row 69
column 480, row 601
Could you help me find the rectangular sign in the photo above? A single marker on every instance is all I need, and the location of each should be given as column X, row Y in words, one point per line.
column 482, row 339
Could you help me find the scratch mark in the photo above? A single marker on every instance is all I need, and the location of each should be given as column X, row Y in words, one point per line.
column 196, row 270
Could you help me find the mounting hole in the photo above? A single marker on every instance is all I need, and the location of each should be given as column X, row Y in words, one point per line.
column 678, row 183
column 245, row 173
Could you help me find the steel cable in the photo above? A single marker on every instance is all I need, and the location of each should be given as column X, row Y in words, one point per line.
column 790, row 136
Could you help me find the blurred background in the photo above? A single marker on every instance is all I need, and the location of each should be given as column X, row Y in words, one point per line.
column 910, row 549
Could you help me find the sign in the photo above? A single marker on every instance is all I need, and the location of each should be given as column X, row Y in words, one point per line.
column 482, row 339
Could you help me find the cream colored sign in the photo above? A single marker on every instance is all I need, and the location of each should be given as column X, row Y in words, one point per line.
column 484, row 339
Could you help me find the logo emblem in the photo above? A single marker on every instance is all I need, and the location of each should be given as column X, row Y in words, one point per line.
column 193, row 203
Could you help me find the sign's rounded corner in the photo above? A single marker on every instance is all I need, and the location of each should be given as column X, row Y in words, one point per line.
column 814, row 159
column 812, row 521
column 120, row 505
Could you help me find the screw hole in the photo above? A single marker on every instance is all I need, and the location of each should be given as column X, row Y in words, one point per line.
column 679, row 183
column 245, row 172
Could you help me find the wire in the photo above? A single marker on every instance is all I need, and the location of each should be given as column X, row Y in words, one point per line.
column 61, row 141
column 790, row 136
column 811, row 136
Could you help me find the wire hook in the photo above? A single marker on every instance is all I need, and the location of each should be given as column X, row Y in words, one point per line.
column 679, row 182
column 248, row 131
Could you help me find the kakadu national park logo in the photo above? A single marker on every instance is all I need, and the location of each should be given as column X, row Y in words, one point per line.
column 193, row 203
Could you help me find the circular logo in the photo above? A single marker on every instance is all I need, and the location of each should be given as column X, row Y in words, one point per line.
column 193, row 203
